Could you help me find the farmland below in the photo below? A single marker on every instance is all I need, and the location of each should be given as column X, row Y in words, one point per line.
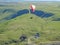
column 16, row 19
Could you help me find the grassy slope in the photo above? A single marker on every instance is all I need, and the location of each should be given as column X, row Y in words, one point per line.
column 12, row 29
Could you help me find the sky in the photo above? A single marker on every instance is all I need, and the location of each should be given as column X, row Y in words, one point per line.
column 24, row 0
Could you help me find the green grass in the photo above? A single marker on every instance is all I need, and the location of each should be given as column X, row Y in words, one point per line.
column 14, row 28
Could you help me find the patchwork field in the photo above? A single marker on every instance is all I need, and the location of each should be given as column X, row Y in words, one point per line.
column 16, row 19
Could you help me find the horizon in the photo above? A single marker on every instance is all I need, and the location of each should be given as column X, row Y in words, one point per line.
column 26, row 0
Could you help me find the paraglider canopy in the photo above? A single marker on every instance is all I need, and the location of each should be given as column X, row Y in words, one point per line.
column 32, row 7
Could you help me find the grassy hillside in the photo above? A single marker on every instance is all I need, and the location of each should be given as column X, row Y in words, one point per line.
column 12, row 29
